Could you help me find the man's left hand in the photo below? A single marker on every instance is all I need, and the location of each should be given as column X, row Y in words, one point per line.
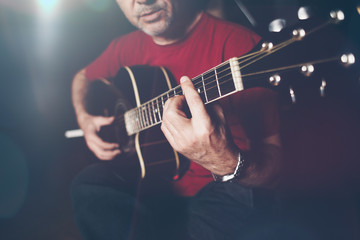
column 202, row 138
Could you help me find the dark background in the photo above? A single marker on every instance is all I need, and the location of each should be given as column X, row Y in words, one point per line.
column 39, row 55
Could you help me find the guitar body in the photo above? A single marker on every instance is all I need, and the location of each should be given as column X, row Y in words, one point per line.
column 147, row 151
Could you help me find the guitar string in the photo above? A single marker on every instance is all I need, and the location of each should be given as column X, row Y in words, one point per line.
column 171, row 94
column 258, row 55
column 255, row 54
column 224, row 81
column 200, row 80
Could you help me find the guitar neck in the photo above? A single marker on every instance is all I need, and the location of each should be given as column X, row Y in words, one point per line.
column 223, row 80
column 216, row 83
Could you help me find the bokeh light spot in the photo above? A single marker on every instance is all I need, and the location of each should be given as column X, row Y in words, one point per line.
column 47, row 5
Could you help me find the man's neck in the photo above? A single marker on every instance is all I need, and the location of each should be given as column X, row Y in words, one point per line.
column 177, row 32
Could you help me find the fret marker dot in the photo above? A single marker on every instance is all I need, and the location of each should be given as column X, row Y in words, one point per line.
column 199, row 90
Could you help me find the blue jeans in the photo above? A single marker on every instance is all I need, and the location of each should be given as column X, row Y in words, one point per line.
column 109, row 206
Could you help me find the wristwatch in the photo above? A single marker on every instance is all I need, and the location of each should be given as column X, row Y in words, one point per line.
column 235, row 174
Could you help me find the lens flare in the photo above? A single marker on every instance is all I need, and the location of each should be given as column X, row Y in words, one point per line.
column 47, row 5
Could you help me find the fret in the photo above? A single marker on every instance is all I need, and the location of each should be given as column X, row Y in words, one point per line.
column 162, row 101
column 143, row 110
column 145, row 116
column 217, row 82
column 154, row 112
column 203, row 83
column 162, row 107
column 150, row 115
column 140, row 118
column 211, row 86
column 143, row 120
column 158, row 110
column 177, row 91
column 225, row 78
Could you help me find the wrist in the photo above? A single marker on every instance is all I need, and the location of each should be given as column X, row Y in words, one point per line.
column 82, row 118
column 240, row 166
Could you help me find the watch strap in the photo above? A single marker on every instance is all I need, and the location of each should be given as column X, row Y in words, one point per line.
column 235, row 174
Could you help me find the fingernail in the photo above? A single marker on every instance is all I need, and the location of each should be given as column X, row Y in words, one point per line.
column 183, row 79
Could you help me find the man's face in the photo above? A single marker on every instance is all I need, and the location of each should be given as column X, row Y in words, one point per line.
column 151, row 16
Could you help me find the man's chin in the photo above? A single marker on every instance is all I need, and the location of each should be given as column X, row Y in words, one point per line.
column 154, row 29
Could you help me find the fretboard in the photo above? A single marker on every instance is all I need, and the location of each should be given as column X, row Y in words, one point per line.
column 211, row 85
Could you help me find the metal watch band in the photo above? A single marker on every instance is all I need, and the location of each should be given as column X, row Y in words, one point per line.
column 228, row 177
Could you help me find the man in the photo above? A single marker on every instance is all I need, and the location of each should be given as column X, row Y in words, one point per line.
column 177, row 34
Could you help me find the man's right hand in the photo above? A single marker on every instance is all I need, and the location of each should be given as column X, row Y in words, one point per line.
column 91, row 126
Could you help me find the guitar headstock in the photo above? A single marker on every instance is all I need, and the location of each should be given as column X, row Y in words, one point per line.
column 312, row 67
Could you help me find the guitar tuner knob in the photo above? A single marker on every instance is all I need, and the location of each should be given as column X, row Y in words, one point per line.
column 304, row 13
column 292, row 95
column 275, row 80
column 267, row 46
column 322, row 88
column 299, row 33
column 348, row 59
column 307, row 70
column 337, row 16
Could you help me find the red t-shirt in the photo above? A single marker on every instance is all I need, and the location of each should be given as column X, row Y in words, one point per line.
column 211, row 42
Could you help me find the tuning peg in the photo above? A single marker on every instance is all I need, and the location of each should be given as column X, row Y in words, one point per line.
column 348, row 59
column 304, row 13
column 277, row 25
column 299, row 33
column 322, row 88
column 337, row 16
column 275, row 80
column 292, row 95
column 308, row 69
column 267, row 46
